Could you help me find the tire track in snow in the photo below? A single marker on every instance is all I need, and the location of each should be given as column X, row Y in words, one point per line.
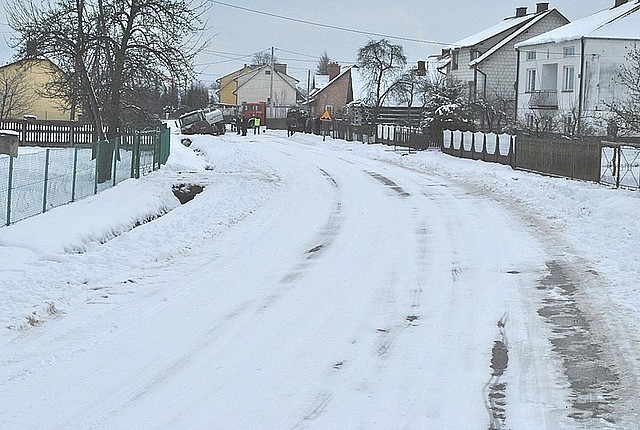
column 389, row 183
column 495, row 389
column 324, row 239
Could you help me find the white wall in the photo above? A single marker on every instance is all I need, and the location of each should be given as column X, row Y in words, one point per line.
column 601, row 83
column 256, row 88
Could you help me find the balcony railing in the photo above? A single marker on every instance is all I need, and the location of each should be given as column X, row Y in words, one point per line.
column 544, row 99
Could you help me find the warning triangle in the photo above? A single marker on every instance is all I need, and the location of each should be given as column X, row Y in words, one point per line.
column 326, row 116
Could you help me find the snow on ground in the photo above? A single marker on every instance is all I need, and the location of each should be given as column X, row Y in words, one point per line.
column 71, row 277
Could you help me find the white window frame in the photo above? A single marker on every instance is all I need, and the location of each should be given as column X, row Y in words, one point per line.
column 568, row 51
column 531, row 81
column 531, row 55
column 568, row 78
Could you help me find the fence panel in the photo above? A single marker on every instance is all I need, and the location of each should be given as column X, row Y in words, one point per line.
column 620, row 165
column 27, row 191
column 404, row 136
column 5, row 185
column 60, row 177
column 487, row 147
column 40, row 179
column 577, row 159
column 49, row 133
column 85, row 177
column 630, row 167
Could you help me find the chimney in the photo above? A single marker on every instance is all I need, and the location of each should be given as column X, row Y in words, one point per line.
column 521, row 11
column 282, row 68
column 333, row 69
column 542, row 7
column 32, row 48
column 422, row 68
column 620, row 3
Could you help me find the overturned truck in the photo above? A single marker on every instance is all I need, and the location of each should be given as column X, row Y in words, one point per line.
column 202, row 122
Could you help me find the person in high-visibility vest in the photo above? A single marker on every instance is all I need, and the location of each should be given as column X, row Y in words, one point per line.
column 256, row 125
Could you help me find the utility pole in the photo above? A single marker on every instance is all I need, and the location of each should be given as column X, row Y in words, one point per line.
column 308, row 89
column 273, row 70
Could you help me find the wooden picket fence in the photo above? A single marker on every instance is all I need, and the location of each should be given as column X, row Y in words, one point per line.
column 52, row 134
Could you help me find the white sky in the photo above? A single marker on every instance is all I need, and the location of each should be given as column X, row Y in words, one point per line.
column 238, row 34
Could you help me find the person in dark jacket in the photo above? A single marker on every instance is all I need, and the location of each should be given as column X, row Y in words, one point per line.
column 244, row 121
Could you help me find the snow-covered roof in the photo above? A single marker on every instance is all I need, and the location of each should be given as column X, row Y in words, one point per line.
column 510, row 38
column 504, row 25
column 620, row 22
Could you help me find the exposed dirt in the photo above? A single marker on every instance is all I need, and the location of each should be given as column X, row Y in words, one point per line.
column 593, row 382
column 495, row 390
column 187, row 192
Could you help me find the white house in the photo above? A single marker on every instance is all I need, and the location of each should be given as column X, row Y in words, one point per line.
column 567, row 77
column 487, row 60
column 258, row 85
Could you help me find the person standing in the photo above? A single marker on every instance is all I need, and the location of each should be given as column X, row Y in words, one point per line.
column 243, row 121
column 256, row 125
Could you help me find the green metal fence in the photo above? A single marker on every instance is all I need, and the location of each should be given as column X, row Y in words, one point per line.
column 40, row 179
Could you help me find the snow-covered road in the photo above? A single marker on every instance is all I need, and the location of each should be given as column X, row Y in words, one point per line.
column 307, row 286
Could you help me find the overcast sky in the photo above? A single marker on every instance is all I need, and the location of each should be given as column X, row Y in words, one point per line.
column 237, row 34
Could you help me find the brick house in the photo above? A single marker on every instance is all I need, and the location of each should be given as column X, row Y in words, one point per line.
column 568, row 77
column 487, row 61
column 335, row 92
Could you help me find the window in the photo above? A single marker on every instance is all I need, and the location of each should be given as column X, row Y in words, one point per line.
column 329, row 108
column 531, row 55
column 267, row 72
column 454, row 60
column 531, row 81
column 568, row 51
column 474, row 54
column 568, row 80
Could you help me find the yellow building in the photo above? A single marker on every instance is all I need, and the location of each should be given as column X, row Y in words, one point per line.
column 23, row 91
column 229, row 86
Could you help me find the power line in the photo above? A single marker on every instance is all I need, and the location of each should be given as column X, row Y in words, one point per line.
column 333, row 27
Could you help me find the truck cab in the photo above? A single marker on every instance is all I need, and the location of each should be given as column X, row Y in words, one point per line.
column 202, row 122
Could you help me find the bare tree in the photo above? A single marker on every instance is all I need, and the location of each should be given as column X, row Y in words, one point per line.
column 381, row 63
column 626, row 112
column 15, row 98
column 262, row 58
column 407, row 89
column 108, row 49
column 495, row 112
column 323, row 64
